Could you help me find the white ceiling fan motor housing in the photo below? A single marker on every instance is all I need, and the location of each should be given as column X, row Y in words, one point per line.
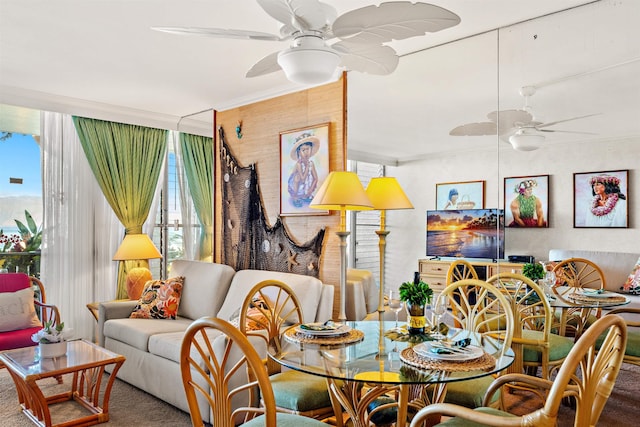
column 309, row 60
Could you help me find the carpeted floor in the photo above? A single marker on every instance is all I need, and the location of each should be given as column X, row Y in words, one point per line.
column 131, row 406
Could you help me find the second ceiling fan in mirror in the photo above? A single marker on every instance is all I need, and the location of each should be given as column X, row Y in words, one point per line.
column 518, row 127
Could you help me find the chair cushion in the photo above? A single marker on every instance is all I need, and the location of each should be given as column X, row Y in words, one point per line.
column 17, row 310
column 559, row 347
column 459, row 422
column 17, row 339
column 160, row 299
column 286, row 420
column 11, row 282
column 300, row 392
column 469, row 393
column 633, row 343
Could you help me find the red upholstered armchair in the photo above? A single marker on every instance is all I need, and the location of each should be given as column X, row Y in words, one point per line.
column 21, row 312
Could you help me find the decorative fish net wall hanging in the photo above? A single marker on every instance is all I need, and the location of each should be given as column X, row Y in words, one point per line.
column 248, row 242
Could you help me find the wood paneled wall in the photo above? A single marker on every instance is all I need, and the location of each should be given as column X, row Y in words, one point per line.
column 262, row 123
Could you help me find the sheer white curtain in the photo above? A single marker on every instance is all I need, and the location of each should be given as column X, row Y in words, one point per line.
column 190, row 226
column 80, row 231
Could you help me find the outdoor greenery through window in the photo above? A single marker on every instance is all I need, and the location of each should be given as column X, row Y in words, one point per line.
column 20, row 203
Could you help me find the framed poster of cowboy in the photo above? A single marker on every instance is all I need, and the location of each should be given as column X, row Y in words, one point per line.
column 304, row 165
column 600, row 199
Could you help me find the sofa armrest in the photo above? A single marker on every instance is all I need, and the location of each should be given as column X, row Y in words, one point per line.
column 113, row 310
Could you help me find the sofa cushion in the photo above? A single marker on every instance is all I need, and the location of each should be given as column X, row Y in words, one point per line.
column 308, row 290
column 160, row 299
column 205, row 286
column 137, row 332
column 17, row 310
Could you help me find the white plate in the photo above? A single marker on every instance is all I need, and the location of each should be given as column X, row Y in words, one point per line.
column 424, row 350
column 592, row 293
column 339, row 330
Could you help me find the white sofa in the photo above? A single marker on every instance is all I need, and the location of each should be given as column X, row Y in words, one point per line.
column 616, row 266
column 152, row 346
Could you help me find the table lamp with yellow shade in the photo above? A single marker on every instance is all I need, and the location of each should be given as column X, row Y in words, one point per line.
column 342, row 191
column 140, row 248
column 385, row 194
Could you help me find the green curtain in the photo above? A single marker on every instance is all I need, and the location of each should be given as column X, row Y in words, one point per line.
column 126, row 160
column 197, row 155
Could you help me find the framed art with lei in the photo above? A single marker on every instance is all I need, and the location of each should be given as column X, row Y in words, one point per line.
column 600, row 199
column 526, row 201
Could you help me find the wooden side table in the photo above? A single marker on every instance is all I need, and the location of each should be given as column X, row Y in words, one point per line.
column 85, row 360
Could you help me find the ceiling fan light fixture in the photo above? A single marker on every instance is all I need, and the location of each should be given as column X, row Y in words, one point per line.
column 309, row 65
column 526, row 141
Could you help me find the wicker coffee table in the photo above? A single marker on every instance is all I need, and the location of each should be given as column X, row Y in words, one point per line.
column 85, row 360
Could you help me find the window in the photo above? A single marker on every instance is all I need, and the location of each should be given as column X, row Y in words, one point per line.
column 20, row 193
column 365, row 250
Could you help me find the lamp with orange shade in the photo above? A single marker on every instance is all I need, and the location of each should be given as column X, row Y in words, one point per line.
column 140, row 248
column 342, row 191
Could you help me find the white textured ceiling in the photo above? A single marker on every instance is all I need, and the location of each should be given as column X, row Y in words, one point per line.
column 100, row 58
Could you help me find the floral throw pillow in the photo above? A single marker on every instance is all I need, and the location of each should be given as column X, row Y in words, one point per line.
column 160, row 299
column 632, row 284
column 256, row 318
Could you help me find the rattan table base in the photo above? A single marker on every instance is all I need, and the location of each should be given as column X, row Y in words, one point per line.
column 484, row 362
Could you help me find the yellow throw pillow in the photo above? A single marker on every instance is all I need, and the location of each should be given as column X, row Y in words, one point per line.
column 160, row 299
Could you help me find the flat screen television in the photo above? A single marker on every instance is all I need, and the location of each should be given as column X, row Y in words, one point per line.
column 469, row 233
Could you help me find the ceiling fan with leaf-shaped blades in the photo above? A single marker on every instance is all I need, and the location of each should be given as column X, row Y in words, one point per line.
column 518, row 127
column 311, row 24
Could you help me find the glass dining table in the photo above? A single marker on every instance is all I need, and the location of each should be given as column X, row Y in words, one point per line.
column 365, row 364
column 578, row 303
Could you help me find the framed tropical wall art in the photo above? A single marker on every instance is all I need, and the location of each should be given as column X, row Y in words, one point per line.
column 600, row 199
column 460, row 195
column 526, row 201
column 304, row 165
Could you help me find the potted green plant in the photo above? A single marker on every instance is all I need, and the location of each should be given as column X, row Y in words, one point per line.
column 533, row 271
column 52, row 339
column 416, row 295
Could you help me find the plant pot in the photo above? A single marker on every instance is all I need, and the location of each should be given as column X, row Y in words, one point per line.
column 417, row 319
column 54, row 349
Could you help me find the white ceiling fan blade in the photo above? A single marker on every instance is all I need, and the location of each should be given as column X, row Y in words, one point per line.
column 475, row 129
column 220, row 32
column 392, row 21
column 268, row 64
column 567, row 131
column 302, row 14
column 371, row 59
column 543, row 125
column 507, row 120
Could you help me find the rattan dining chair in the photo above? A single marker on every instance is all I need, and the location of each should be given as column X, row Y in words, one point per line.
column 632, row 351
column 484, row 312
column 270, row 307
column 534, row 343
column 586, row 375
column 209, row 383
column 579, row 273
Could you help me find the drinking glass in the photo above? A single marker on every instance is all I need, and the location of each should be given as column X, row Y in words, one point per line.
column 395, row 304
column 439, row 309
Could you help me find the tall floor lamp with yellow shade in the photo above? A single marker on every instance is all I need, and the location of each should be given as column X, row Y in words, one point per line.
column 140, row 248
column 386, row 194
column 342, row 191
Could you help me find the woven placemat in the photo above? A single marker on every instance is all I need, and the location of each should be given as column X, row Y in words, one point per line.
column 293, row 335
column 485, row 362
column 402, row 334
column 587, row 298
